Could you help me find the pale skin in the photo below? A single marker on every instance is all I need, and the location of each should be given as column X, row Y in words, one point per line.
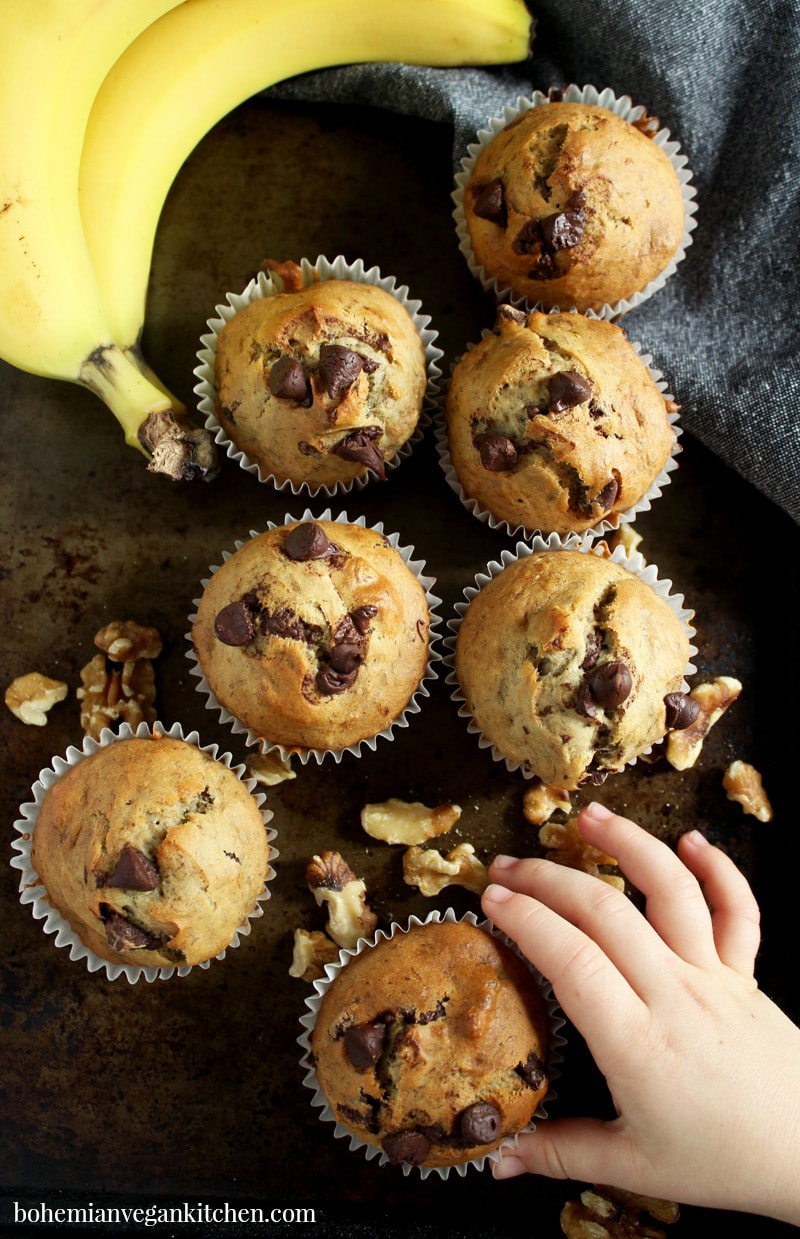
column 703, row 1068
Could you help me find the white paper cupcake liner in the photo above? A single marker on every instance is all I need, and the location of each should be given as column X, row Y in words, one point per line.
column 556, row 1042
column 604, row 526
column 287, row 752
column 267, row 284
column 632, row 560
column 623, row 107
column 32, row 889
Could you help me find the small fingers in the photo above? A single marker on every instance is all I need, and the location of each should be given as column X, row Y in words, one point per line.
column 582, row 1149
column 735, row 916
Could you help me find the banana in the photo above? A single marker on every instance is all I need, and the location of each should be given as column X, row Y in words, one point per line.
column 55, row 55
column 204, row 58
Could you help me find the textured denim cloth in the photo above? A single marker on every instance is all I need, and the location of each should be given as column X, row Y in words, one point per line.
column 724, row 77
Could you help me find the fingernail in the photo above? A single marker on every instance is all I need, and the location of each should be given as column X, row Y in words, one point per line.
column 496, row 894
column 504, row 862
column 598, row 812
column 509, row 1167
column 697, row 839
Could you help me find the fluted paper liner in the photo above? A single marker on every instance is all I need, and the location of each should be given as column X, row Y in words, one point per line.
column 287, row 752
column 34, row 893
column 267, row 284
column 607, row 524
column 632, row 560
column 554, row 1056
column 623, row 107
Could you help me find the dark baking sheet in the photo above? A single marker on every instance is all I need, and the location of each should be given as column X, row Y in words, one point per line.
column 190, row 1090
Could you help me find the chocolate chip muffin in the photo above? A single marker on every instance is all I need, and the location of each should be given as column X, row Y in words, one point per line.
column 569, row 205
column 432, row 1044
column 323, row 384
column 571, row 665
column 314, row 635
column 153, row 851
column 554, row 422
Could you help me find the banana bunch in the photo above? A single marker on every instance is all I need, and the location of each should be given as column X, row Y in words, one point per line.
column 102, row 101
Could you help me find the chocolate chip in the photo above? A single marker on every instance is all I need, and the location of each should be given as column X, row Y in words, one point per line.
column 330, row 681
column 361, row 446
column 544, row 268
column 346, row 658
column 567, row 388
column 529, row 238
column 339, row 367
column 607, row 497
column 363, row 1043
column 123, row 935
column 498, row 454
column 285, row 623
column 306, row 541
column 233, row 625
column 512, row 314
column 479, row 1124
column 594, row 778
column 489, row 203
column 406, row 1146
column 133, row 871
column 287, row 381
column 532, row 1070
column 594, row 642
column 682, row 710
column 610, row 684
column 563, row 230
column 362, row 616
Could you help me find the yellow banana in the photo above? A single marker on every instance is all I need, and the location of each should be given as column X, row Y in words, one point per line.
column 55, row 55
column 202, row 59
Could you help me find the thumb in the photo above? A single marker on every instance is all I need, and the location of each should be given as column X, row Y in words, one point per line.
column 585, row 1150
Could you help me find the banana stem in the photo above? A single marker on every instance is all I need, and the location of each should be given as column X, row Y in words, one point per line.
column 153, row 422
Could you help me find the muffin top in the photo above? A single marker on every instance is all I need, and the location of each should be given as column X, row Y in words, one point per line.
column 154, row 851
column 571, row 206
column 432, row 1044
column 555, row 423
column 321, row 385
column 314, row 635
column 571, row 665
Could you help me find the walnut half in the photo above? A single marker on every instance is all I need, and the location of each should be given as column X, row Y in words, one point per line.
column 610, row 1213
column 30, row 696
column 684, row 747
column 331, row 881
column 431, row 872
column 118, row 685
column 742, row 783
column 312, row 950
column 409, row 822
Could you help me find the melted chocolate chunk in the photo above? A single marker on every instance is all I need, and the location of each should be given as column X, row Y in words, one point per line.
column 606, row 499
column 363, row 1043
column 362, row 616
column 529, row 238
column 489, row 203
column 479, row 1124
column 346, row 658
column 567, row 389
column 361, row 446
column 594, row 642
column 532, row 1071
column 682, row 710
column 406, row 1146
column 233, row 625
column 287, row 381
column 330, row 681
column 563, row 230
column 498, row 454
column 285, row 623
column 339, row 367
column 610, row 684
column 123, row 935
column 306, row 541
column 133, row 871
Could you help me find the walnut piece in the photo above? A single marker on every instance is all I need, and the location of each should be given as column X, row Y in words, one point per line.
column 312, row 951
column 119, row 685
column 270, row 768
column 566, row 846
column 332, row 882
column 401, row 821
column 742, row 782
column 540, row 801
column 431, row 872
column 125, row 641
column 30, row 696
column 684, row 747
column 610, row 1213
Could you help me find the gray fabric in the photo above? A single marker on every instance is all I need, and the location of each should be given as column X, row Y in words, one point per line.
column 724, row 77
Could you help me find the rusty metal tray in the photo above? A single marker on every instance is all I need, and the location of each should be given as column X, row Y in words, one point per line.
column 190, row 1090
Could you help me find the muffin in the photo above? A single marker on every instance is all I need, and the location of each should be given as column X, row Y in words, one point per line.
column 555, row 423
column 320, row 385
column 571, row 665
column 432, row 1044
column 314, row 635
column 570, row 205
column 153, row 851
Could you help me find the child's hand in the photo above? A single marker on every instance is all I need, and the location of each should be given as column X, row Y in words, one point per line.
column 703, row 1068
